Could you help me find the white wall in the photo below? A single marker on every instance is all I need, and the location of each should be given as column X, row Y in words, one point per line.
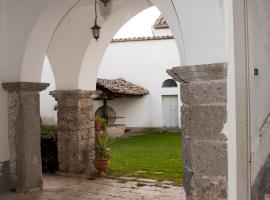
column 198, row 20
column 3, row 97
column 139, row 25
column 47, row 102
column 259, row 51
column 142, row 63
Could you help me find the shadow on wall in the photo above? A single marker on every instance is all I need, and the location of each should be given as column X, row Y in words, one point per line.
column 261, row 185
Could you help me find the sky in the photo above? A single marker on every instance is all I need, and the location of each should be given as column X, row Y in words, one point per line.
column 139, row 25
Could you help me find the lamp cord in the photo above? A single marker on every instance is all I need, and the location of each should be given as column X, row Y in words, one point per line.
column 95, row 11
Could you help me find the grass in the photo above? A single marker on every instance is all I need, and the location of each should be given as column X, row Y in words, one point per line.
column 153, row 155
column 48, row 130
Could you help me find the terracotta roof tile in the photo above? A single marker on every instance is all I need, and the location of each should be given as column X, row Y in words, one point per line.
column 136, row 39
column 122, row 86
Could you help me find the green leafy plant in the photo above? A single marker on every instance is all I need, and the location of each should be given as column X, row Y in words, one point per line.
column 101, row 146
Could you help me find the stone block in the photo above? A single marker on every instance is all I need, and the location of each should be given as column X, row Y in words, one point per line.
column 206, row 72
column 207, row 92
column 208, row 188
column 209, row 158
column 204, row 122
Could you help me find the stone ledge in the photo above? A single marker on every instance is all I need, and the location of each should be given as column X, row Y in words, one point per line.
column 24, row 86
column 206, row 72
column 75, row 94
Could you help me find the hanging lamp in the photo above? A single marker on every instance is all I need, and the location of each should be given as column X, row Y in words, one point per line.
column 96, row 28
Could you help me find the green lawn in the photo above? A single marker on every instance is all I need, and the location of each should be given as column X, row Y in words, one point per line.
column 152, row 155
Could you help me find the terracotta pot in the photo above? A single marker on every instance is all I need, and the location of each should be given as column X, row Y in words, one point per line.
column 101, row 166
column 98, row 125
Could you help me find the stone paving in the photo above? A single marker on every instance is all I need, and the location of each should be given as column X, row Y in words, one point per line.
column 71, row 188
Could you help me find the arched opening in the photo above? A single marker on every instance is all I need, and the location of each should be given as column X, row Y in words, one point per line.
column 133, row 56
column 169, row 83
column 71, row 77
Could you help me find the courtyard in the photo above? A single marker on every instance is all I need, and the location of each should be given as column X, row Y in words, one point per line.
column 143, row 165
column 73, row 188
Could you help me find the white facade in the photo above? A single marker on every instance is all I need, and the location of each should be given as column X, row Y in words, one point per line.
column 143, row 63
column 47, row 103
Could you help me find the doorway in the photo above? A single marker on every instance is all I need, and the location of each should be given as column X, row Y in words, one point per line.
column 170, row 111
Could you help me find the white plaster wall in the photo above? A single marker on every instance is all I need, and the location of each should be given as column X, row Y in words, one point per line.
column 200, row 30
column 259, row 51
column 3, row 97
column 142, row 63
column 161, row 32
column 230, row 126
column 47, row 102
column 139, row 25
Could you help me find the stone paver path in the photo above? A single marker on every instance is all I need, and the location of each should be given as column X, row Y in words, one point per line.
column 70, row 188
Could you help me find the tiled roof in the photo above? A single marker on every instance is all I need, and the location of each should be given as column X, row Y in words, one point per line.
column 121, row 86
column 161, row 23
column 135, row 39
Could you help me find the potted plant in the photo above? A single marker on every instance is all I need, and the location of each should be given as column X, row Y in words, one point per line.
column 100, row 123
column 101, row 146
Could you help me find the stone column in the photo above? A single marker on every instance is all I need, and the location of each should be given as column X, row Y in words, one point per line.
column 24, row 135
column 75, row 130
column 204, row 98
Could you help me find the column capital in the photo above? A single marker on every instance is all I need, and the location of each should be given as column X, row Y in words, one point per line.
column 24, row 86
column 75, row 94
column 205, row 72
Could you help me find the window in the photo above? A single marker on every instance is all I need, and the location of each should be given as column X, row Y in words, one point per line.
column 169, row 83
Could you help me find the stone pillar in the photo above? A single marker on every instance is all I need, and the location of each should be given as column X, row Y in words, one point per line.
column 204, row 98
column 75, row 130
column 24, row 135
